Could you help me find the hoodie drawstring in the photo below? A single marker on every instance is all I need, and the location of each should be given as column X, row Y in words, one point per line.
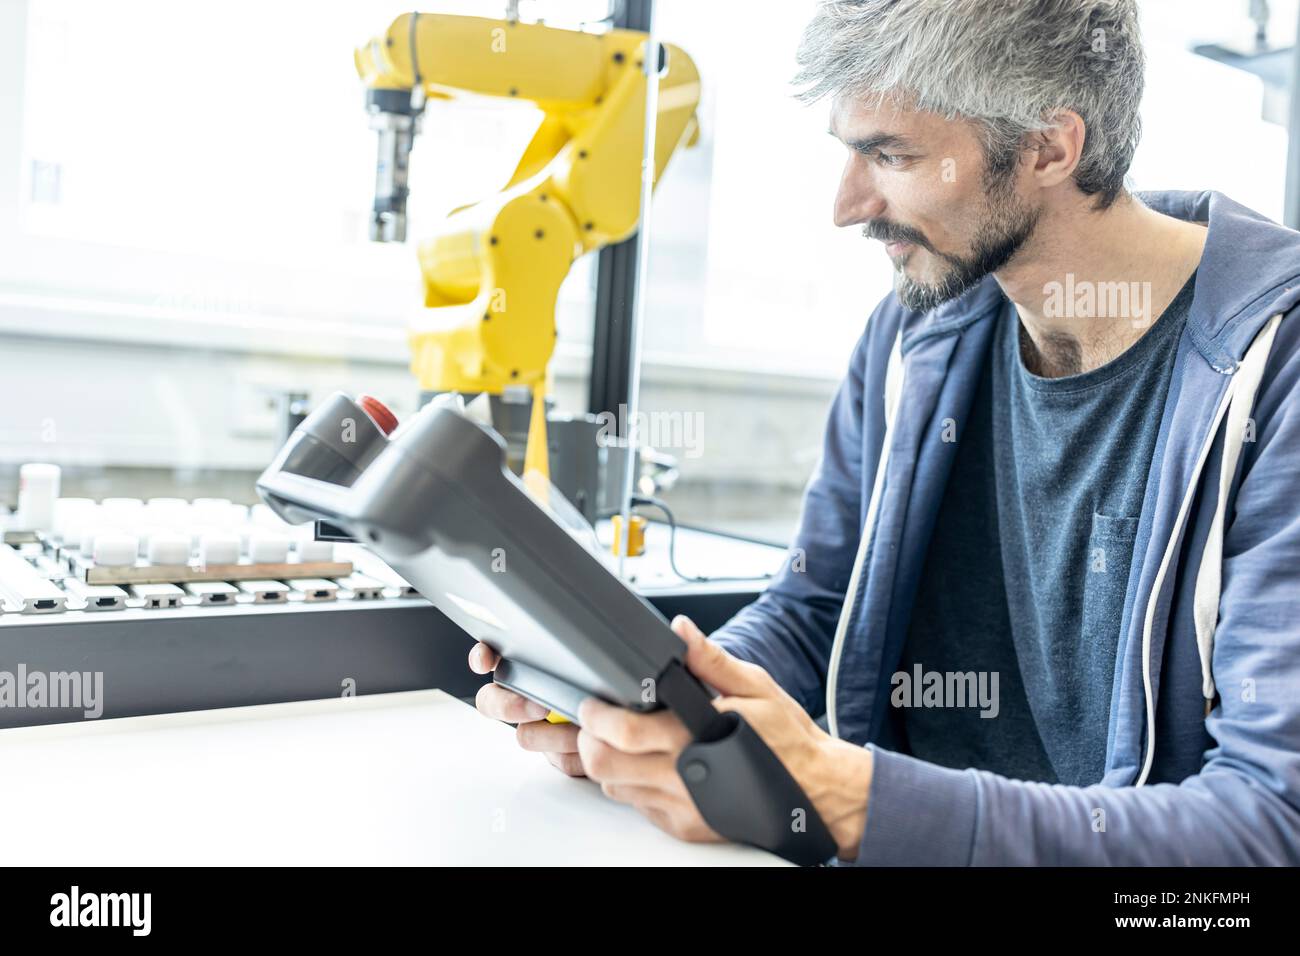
column 1237, row 403
column 1209, row 580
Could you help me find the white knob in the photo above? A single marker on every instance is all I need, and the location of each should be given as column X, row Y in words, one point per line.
column 168, row 547
column 128, row 508
column 309, row 550
column 266, row 547
column 219, row 547
column 89, row 533
column 213, row 511
column 38, row 488
column 114, row 549
column 166, row 503
column 167, row 512
column 70, row 515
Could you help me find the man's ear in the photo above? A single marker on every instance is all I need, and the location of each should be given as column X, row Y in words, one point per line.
column 1057, row 150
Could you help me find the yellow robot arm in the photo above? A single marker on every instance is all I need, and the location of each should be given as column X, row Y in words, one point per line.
column 493, row 270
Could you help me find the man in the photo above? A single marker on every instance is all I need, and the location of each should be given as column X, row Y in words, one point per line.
column 1050, row 597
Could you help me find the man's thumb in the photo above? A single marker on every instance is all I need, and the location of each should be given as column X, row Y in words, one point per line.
column 712, row 664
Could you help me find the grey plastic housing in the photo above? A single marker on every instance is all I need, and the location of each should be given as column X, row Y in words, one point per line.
column 437, row 503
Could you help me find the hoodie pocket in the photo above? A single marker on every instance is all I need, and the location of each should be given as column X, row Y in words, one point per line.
column 1110, row 555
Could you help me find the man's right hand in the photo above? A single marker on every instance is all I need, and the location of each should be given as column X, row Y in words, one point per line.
column 558, row 741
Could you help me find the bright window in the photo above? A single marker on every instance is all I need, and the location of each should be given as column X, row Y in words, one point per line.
column 218, row 160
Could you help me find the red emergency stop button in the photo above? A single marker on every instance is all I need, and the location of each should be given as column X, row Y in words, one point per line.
column 378, row 411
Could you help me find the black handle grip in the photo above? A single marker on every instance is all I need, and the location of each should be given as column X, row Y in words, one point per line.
column 746, row 794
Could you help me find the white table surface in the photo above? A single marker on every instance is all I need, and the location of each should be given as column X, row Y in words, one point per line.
column 409, row 778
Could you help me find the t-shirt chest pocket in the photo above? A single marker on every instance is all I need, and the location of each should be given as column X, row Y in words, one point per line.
column 1110, row 555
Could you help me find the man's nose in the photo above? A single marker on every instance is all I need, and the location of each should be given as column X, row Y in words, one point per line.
column 857, row 200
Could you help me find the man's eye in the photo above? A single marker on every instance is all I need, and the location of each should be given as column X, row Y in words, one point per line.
column 883, row 158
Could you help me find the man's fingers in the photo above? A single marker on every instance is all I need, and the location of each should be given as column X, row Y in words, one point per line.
column 482, row 659
column 687, row 629
column 607, row 764
column 544, row 737
column 712, row 664
column 675, row 814
column 633, row 733
column 496, row 702
column 643, row 798
column 570, row 764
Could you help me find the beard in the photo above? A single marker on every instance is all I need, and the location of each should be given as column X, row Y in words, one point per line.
column 1006, row 225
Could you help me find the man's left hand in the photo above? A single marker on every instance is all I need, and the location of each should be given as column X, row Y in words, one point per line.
column 634, row 756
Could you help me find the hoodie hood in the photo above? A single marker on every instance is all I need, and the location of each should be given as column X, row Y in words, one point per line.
column 1249, row 272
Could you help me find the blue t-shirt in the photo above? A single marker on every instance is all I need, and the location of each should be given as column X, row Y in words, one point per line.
column 1028, row 566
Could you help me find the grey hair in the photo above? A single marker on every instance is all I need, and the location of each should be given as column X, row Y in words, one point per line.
column 1006, row 65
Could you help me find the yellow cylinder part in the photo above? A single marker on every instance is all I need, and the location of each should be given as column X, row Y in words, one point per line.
column 636, row 539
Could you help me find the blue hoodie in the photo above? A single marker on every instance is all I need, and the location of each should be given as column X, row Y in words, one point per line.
column 1203, row 742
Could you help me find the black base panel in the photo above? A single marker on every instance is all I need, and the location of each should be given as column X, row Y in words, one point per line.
column 200, row 659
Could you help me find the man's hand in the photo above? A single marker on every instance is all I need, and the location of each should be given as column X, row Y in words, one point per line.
column 634, row 756
column 558, row 741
